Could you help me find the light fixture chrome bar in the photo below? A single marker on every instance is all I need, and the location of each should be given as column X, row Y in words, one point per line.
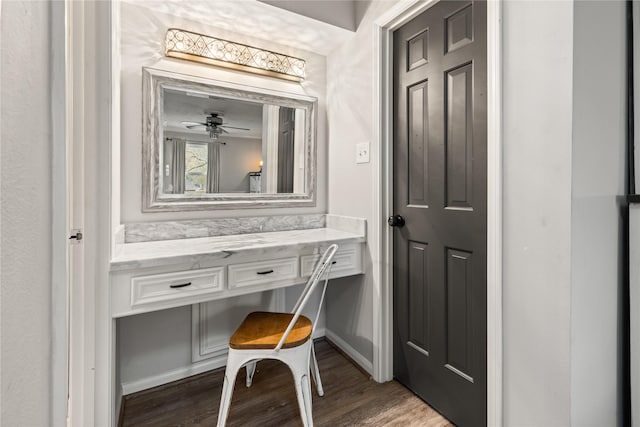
column 223, row 53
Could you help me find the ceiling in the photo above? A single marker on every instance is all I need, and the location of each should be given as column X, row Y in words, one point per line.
column 341, row 13
column 259, row 20
column 182, row 106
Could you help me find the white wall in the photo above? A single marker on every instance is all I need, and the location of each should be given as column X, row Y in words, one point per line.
column 599, row 134
column 142, row 45
column 537, row 114
column 564, row 136
column 25, row 188
column 350, row 115
column 239, row 157
column 59, row 304
column 147, row 346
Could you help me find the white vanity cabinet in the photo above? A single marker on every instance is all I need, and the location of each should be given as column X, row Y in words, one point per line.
column 190, row 271
column 216, row 280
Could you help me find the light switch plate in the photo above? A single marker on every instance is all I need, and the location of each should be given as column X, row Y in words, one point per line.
column 362, row 152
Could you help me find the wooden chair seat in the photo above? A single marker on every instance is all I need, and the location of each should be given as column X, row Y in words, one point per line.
column 263, row 330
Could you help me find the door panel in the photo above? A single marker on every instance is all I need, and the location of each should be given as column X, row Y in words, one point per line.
column 417, row 49
column 418, row 144
column 459, row 304
column 439, row 188
column 459, row 28
column 418, row 297
column 459, row 134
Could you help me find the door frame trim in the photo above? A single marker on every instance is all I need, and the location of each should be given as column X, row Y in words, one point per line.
column 383, row 195
column 91, row 329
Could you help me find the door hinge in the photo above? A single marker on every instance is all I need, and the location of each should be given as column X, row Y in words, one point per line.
column 76, row 236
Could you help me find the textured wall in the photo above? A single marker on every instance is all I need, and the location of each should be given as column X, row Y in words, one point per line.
column 25, row 187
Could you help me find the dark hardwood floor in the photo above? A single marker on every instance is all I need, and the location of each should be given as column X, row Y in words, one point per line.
column 351, row 399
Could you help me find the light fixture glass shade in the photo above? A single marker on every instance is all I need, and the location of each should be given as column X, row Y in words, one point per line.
column 223, row 53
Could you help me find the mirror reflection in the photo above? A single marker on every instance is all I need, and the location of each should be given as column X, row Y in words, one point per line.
column 209, row 144
column 217, row 144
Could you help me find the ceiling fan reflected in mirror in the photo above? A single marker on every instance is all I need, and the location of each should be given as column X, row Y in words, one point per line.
column 213, row 124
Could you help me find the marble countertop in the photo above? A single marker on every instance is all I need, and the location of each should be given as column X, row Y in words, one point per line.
column 130, row 256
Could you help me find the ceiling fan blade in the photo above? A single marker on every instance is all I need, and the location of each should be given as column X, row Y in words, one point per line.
column 232, row 127
column 193, row 125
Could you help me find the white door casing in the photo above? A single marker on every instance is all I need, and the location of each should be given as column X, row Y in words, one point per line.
column 79, row 410
column 88, row 119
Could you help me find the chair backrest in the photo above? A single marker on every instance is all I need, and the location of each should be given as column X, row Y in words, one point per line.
column 319, row 274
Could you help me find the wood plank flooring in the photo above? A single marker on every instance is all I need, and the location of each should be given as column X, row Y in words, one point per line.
column 351, row 399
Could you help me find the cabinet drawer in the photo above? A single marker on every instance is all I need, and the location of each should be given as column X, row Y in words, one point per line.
column 257, row 273
column 169, row 286
column 346, row 263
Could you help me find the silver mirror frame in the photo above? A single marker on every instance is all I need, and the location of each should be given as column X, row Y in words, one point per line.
column 153, row 200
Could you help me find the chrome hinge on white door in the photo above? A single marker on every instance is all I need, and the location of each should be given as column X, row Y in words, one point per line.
column 76, row 236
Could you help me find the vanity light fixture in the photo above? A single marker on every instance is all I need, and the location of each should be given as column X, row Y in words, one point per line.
column 223, row 53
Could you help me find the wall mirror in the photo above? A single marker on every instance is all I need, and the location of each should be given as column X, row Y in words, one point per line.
column 215, row 145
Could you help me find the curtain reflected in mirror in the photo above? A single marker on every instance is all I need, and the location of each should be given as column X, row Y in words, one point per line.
column 174, row 167
column 191, row 167
column 213, row 166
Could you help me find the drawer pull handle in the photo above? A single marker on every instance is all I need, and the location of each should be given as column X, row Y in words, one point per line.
column 265, row 272
column 181, row 285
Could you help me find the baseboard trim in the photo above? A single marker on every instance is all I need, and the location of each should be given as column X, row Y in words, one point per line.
column 351, row 352
column 174, row 375
column 319, row 333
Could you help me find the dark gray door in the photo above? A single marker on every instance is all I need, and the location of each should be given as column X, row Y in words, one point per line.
column 440, row 189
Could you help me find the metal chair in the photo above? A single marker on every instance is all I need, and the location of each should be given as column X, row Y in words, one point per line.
column 282, row 336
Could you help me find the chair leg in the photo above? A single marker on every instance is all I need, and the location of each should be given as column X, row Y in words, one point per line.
column 303, row 392
column 308, row 400
column 251, row 370
column 315, row 371
column 230, row 373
